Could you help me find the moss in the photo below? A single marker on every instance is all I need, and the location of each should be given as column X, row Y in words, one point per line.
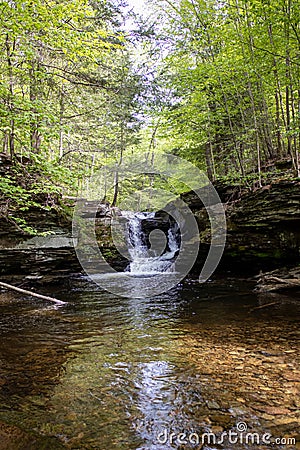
column 233, row 254
column 278, row 254
column 242, row 251
column 64, row 211
column 108, row 253
column 261, row 254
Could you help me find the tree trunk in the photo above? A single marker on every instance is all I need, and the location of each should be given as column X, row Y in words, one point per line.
column 32, row 294
column 116, row 186
column 35, row 137
column 10, row 101
column 61, row 115
column 5, row 143
column 288, row 91
column 209, row 162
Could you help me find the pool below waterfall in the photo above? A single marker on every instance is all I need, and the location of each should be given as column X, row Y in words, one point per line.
column 180, row 370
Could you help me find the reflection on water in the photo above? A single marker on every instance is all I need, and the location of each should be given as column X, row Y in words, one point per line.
column 112, row 373
column 138, row 285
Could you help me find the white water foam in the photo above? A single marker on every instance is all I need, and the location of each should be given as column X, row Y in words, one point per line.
column 142, row 262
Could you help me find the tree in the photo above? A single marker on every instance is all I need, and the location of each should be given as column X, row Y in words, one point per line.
column 233, row 71
column 65, row 80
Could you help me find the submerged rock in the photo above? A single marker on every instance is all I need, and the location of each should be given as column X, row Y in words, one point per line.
column 14, row 438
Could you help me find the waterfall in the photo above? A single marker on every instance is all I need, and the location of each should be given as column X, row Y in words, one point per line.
column 146, row 260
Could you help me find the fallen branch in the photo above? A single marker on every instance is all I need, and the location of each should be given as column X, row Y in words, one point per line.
column 33, row 294
column 289, row 281
column 266, row 305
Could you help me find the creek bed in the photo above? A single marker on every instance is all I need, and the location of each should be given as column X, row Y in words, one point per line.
column 112, row 373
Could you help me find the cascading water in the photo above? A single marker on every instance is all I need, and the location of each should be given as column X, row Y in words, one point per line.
column 145, row 260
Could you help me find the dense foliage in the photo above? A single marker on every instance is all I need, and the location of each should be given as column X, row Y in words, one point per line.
column 234, row 70
column 67, row 88
column 215, row 82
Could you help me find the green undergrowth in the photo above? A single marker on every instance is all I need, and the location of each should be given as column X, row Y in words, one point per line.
column 29, row 184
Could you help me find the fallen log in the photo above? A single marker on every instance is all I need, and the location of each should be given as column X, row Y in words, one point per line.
column 266, row 305
column 32, row 294
column 289, row 281
column 273, row 281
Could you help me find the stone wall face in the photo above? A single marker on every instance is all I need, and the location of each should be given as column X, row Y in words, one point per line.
column 263, row 232
column 52, row 251
column 263, row 227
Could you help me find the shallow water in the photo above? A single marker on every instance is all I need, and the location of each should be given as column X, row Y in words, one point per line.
column 112, row 373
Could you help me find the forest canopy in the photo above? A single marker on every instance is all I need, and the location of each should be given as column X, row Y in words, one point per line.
column 85, row 82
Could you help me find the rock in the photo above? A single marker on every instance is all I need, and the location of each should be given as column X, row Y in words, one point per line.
column 263, row 227
column 92, row 209
column 271, row 410
column 217, row 429
column 54, row 254
column 223, row 420
column 286, row 421
column 263, row 233
column 14, row 438
column 236, row 411
column 212, row 404
column 293, row 376
column 50, row 241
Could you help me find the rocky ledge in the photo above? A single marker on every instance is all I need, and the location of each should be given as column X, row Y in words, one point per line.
column 263, row 233
column 263, row 227
column 50, row 255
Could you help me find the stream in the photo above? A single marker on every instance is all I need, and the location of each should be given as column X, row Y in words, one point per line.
column 104, row 372
column 200, row 366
